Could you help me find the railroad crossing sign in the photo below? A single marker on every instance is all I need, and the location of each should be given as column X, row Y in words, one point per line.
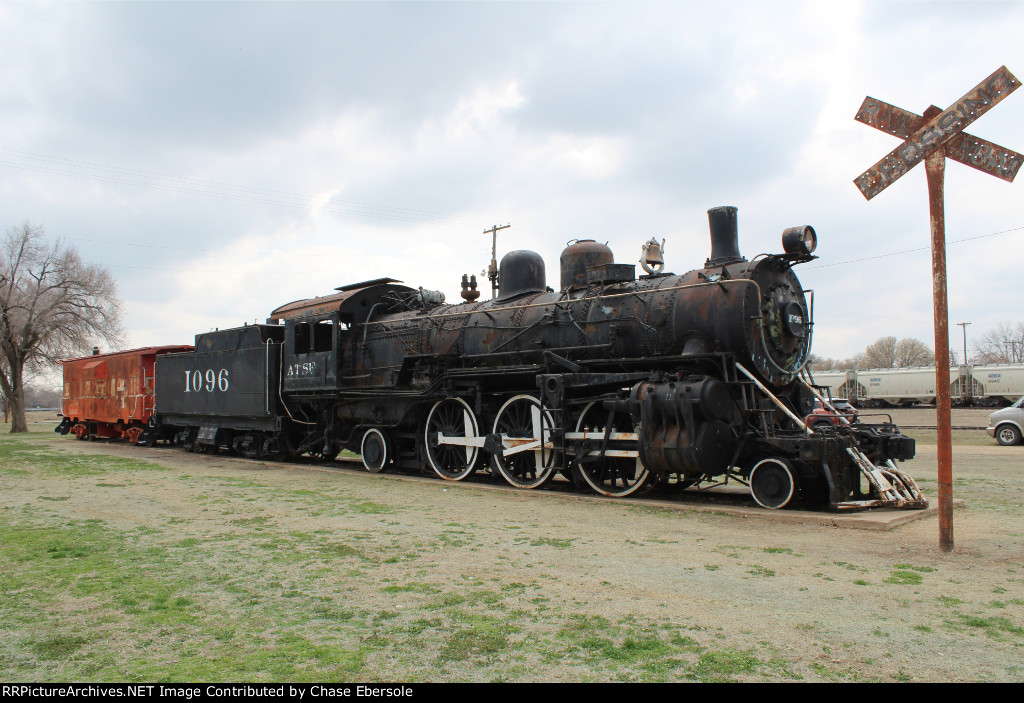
column 925, row 136
column 931, row 138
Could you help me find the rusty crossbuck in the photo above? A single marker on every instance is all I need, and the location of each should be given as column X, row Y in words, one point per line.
column 931, row 138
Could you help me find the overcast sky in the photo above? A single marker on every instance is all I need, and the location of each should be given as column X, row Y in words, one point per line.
column 225, row 158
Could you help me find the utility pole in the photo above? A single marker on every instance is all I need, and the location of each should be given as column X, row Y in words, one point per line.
column 492, row 270
column 964, row 325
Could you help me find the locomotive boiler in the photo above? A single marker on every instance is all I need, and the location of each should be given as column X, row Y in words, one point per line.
column 615, row 382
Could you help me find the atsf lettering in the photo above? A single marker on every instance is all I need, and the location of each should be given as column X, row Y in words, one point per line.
column 306, row 369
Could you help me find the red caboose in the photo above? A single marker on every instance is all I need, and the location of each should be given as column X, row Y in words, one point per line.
column 110, row 395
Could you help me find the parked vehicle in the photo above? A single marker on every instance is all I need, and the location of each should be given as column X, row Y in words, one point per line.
column 824, row 417
column 1007, row 425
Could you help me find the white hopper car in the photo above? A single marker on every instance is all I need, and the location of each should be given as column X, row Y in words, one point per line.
column 983, row 384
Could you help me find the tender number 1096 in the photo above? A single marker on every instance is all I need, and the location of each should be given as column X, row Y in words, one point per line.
column 209, row 381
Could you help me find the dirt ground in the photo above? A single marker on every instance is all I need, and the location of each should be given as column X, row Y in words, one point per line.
column 830, row 603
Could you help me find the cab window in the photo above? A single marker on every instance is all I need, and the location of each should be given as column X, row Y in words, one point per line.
column 323, row 336
column 302, row 339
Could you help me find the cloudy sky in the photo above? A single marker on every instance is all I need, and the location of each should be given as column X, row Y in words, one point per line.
column 225, row 158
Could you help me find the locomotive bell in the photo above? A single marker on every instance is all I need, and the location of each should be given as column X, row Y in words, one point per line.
column 652, row 256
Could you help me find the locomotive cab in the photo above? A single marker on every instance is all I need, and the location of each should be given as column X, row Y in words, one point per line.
column 324, row 348
column 312, row 353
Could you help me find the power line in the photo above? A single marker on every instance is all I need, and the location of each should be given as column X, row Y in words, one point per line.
column 909, row 251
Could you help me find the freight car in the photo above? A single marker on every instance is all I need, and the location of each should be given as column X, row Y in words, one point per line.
column 983, row 384
column 615, row 382
column 110, row 395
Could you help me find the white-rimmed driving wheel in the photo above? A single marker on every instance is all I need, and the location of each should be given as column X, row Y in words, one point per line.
column 610, row 475
column 525, row 429
column 375, row 450
column 452, row 419
column 773, row 483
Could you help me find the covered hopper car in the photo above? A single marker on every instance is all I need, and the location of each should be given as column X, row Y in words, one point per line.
column 981, row 384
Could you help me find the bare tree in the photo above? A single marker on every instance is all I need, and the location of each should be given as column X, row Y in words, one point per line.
column 854, row 362
column 888, row 353
column 1002, row 345
column 819, row 363
column 913, row 352
column 52, row 306
column 880, row 355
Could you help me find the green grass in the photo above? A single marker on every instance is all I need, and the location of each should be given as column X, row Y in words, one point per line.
column 311, row 577
column 971, row 438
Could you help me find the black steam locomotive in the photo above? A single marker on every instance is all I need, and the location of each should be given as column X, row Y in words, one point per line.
column 615, row 382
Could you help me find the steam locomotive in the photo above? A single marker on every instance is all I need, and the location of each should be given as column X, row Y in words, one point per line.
column 616, row 382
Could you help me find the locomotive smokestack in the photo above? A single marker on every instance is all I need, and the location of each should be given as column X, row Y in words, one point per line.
column 725, row 248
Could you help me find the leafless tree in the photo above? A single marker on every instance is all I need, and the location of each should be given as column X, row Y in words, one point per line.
column 1002, row 345
column 52, row 306
column 880, row 355
column 819, row 363
column 854, row 362
column 913, row 352
column 890, row 353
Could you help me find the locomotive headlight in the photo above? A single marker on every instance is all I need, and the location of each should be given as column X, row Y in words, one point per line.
column 799, row 240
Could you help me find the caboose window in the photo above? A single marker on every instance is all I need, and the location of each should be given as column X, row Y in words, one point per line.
column 324, row 336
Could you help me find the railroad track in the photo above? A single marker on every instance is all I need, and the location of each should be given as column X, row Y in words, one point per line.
column 732, row 494
column 932, row 427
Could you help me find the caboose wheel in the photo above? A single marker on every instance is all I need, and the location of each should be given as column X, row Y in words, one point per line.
column 375, row 450
column 610, row 475
column 453, row 419
column 772, row 483
column 521, row 420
